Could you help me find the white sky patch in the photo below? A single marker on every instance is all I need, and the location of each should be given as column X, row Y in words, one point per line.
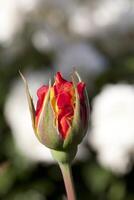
column 27, row 5
column 112, row 132
column 91, row 19
column 10, row 19
column 108, row 12
column 13, row 16
column 85, row 58
column 81, row 21
column 48, row 40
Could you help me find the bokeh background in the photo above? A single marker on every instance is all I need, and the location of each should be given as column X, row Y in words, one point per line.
column 40, row 37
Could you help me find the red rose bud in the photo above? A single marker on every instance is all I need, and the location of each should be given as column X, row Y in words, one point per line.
column 61, row 117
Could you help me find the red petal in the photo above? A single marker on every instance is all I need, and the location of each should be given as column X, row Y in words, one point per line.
column 64, row 126
column 61, row 85
column 81, row 87
column 59, row 78
column 65, row 114
column 83, row 107
column 63, row 100
column 64, row 94
column 64, row 122
column 41, row 92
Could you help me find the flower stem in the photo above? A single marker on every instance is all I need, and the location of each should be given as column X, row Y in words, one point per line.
column 68, row 180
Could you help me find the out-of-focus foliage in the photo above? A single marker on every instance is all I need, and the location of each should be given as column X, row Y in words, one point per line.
column 97, row 36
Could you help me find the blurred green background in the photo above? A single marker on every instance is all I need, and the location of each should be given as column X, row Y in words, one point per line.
column 44, row 36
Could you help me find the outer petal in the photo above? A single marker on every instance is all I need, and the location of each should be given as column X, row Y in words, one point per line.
column 75, row 129
column 30, row 101
column 78, row 128
column 46, row 129
column 81, row 87
column 41, row 93
column 83, row 107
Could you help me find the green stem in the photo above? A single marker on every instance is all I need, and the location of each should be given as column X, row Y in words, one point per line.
column 68, row 180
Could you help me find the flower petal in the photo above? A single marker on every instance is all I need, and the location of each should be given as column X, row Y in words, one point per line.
column 64, row 107
column 41, row 93
column 63, row 100
column 81, row 87
column 61, row 85
column 59, row 78
column 64, row 124
column 83, row 107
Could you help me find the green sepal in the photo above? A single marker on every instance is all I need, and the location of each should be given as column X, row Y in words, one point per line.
column 64, row 156
column 30, row 100
column 46, row 130
column 86, row 99
column 77, row 130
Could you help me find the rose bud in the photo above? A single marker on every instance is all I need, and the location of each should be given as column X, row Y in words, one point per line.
column 60, row 120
